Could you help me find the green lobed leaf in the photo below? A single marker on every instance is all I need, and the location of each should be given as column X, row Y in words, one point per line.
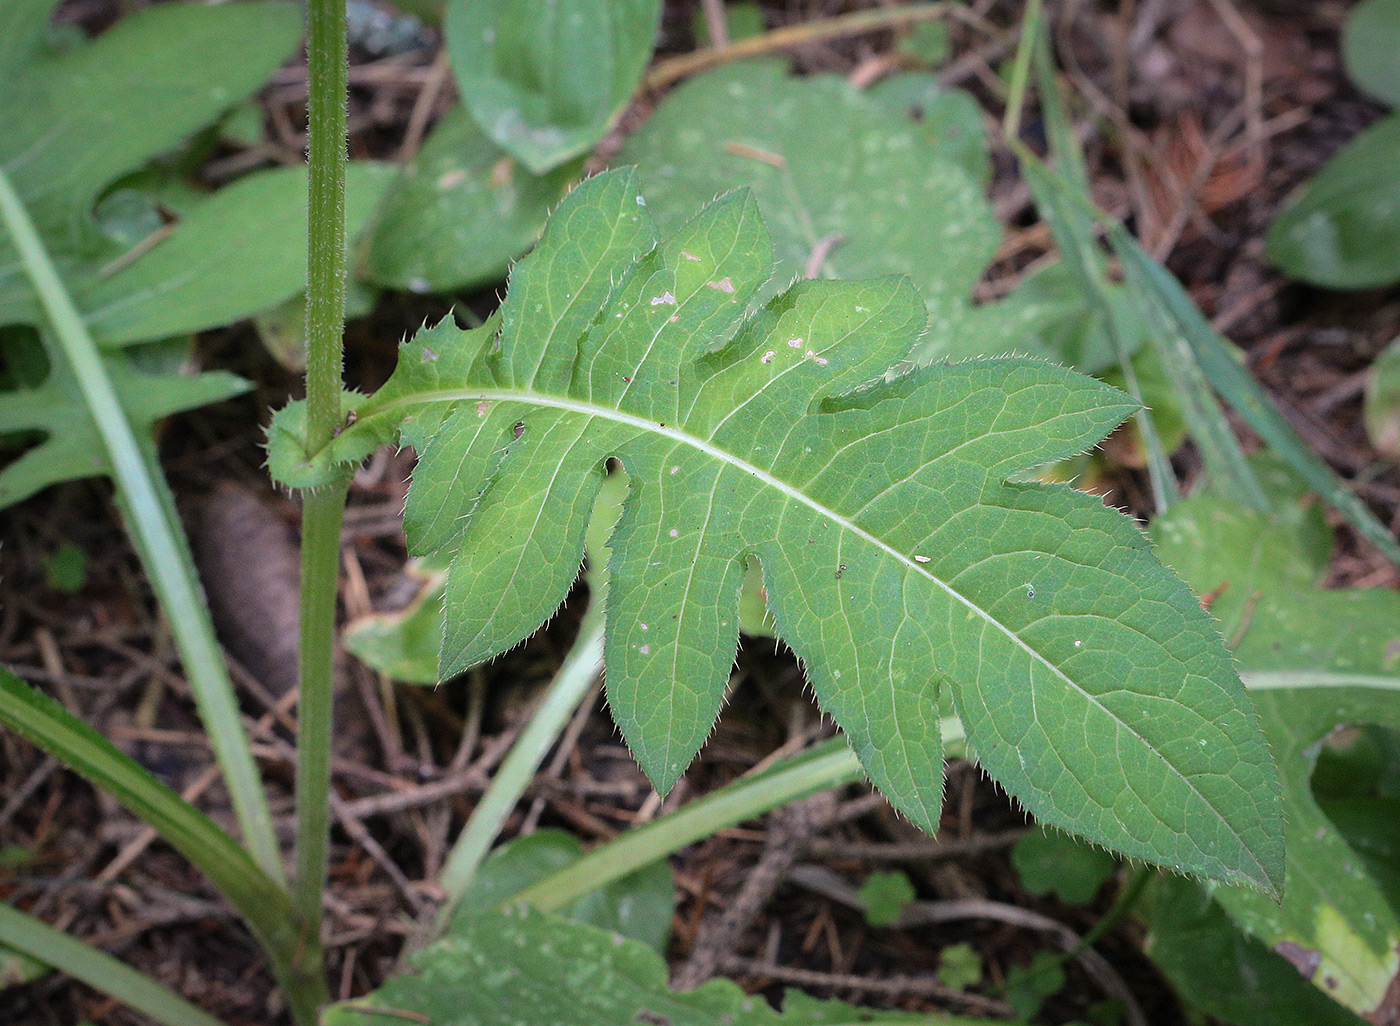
column 896, row 557
column 1370, row 41
column 1051, row 860
column 1382, row 407
column 884, row 896
column 546, row 78
column 521, row 966
column 1343, row 229
column 462, row 210
column 1315, row 659
column 407, row 644
column 959, row 966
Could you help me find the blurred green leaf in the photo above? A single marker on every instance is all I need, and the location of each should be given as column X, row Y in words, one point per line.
column 927, row 42
column 26, row 23
column 240, row 251
column 742, row 21
column 404, row 644
column 66, row 568
column 1382, row 409
column 959, row 966
column 1225, row 973
column 73, row 123
column 1027, row 987
column 545, row 78
column 1343, row 229
column 861, row 184
column 1051, row 860
column 523, row 966
column 1370, row 45
column 638, row 906
column 1313, row 660
column 461, row 212
column 884, row 895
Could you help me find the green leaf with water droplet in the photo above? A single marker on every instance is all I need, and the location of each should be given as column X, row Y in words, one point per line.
column 897, row 557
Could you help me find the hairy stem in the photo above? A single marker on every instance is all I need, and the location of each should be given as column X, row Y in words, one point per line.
column 328, row 60
column 322, row 509
column 150, row 508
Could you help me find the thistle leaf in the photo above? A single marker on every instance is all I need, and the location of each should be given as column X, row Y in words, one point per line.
column 896, row 556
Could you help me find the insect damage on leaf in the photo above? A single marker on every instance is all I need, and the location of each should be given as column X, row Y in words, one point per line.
column 897, row 557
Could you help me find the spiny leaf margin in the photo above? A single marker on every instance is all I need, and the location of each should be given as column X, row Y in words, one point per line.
column 896, row 555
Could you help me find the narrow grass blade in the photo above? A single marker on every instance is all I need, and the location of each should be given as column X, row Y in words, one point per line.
column 1075, row 236
column 146, row 499
column 830, row 764
column 1245, row 395
column 98, row 970
column 53, row 729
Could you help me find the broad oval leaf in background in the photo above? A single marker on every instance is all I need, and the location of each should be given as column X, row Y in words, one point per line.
column 524, row 966
column 852, row 183
column 238, row 252
column 461, row 212
column 1314, row 660
column 1343, row 230
column 1382, row 409
column 1370, row 43
column 897, row 558
column 545, row 78
column 75, row 122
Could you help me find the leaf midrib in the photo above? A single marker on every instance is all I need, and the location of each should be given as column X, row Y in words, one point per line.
column 708, row 449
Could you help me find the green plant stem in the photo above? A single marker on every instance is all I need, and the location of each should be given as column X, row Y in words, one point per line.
column 676, row 68
column 322, row 509
column 829, row 764
column 328, row 63
column 571, row 685
column 161, row 545
column 98, row 970
column 1020, row 71
column 322, row 513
